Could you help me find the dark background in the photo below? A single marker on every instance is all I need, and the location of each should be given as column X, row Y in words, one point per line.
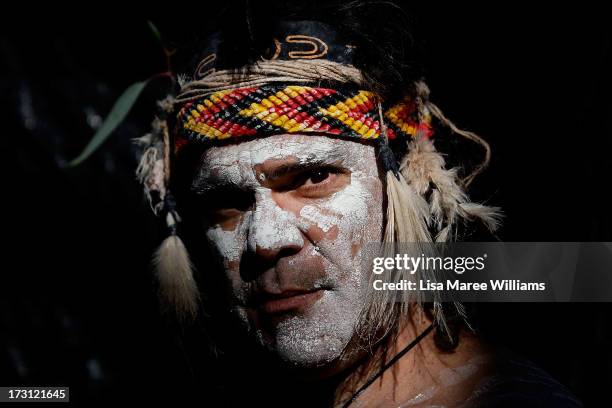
column 77, row 301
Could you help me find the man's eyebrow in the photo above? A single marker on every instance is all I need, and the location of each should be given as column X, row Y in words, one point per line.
column 203, row 184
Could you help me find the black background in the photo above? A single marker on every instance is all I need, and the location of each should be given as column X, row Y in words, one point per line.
column 78, row 304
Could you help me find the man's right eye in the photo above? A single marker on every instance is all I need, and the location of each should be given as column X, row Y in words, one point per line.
column 224, row 206
column 227, row 199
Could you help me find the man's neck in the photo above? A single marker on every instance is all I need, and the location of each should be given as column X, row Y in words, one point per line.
column 425, row 374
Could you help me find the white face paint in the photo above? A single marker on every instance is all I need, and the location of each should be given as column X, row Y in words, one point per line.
column 293, row 215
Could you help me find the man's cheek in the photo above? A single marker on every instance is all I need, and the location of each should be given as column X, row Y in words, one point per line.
column 367, row 220
column 230, row 247
column 228, row 242
column 239, row 287
column 354, row 205
column 321, row 221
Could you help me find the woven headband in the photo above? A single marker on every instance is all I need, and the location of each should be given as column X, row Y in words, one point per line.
column 288, row 109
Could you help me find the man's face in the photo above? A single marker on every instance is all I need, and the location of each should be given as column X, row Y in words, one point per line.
column 289, row 215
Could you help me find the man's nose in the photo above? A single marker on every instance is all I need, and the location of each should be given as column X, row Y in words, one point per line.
column 273, row 231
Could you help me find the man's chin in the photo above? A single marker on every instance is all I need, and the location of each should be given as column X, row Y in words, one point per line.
column 309, row 366
column 298, row 343
column 304, row 361
column 311, row 338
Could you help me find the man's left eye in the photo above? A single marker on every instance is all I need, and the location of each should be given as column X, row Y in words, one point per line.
column 321, row 182
column 318, row 176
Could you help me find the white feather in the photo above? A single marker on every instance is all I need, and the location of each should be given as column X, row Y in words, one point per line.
column 178, row 288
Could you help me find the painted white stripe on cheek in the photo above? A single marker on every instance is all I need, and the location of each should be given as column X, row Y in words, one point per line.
column 314, row 215
column 230, row 244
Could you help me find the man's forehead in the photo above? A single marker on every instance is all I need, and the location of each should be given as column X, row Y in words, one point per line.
column 281, row 148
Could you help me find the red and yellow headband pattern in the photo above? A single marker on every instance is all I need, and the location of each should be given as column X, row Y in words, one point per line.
column 278, row 109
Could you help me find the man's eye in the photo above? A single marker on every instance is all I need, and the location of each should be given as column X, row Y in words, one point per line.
column 321, row 182
column 318, row 176
column 227, row 198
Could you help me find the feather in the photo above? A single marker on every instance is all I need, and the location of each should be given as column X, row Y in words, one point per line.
column 407, row 212
column 424, row 168
column 490, row 216
column 178, row 288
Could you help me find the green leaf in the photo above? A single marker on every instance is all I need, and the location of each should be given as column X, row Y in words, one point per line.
column 117, row 114
column 155, row 31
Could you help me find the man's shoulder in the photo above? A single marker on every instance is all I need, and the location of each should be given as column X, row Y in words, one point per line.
column 519, row 382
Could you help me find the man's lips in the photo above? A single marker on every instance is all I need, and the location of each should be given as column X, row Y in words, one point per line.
column 291, row 300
